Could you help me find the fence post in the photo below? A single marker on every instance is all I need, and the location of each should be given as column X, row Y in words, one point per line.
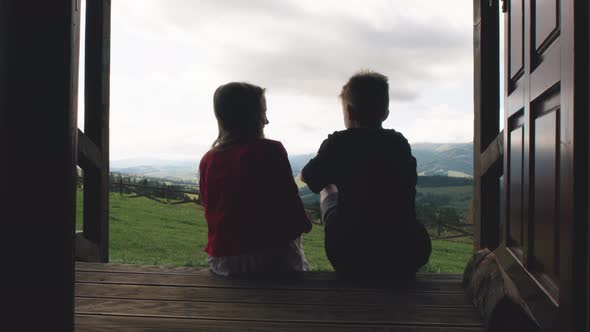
column 166, row 193
column 438, row 223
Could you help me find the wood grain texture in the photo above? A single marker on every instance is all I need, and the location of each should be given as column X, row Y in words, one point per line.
column 157, row 269
column 282, row 313
column 96, row 122
column 278, row 296
column 211, row 280
column 99, row 323
column 137, row 298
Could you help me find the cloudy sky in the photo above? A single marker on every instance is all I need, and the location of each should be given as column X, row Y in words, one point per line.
column 168, row 56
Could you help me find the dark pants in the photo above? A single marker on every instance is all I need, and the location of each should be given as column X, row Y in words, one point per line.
column 372, row 253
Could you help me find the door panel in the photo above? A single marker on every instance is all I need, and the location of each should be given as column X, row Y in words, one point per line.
column 545, row 230
column 515, row 219
column 516, row 37
column 547, row 72
column 545, row 13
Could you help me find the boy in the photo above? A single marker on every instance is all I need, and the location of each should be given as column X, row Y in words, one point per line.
column 367, row 178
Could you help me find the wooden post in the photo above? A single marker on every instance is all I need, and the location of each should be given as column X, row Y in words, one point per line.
column 166, row 193
column 96, row 123
column 438, row 224
column 38, row 89
column 574, row 255
column 486, row 197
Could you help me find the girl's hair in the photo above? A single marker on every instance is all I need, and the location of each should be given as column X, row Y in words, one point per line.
column 240, row 111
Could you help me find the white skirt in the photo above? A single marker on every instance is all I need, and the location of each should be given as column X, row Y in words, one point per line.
column 291, row 258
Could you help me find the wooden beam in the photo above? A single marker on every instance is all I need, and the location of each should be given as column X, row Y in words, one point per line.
column 96, row 122
column 38, row 104
column 284, row 313
column 572, row 170
column 88, row 153
column 85, row 249
column 492, row 155
column 580, row 287
column 486, row 198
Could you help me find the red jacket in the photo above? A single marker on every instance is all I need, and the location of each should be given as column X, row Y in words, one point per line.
column 250, row 198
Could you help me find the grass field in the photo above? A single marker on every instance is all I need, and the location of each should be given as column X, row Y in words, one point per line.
column 458, row 196
column 143, row 231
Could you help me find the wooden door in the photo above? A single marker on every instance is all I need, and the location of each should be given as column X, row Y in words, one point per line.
column 538, row 236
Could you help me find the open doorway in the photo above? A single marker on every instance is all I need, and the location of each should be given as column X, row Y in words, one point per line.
column 167, row 58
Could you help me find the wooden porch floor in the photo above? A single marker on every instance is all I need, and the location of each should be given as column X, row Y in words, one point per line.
column 114, row 297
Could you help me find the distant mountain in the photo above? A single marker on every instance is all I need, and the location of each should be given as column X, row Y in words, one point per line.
column 299, row 161
column 451, row 159
column 166, row 169
column 455, row 159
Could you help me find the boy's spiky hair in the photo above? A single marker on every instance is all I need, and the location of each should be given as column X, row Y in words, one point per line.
column 368, row 93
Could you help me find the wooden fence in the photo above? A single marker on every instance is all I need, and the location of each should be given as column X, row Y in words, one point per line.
column 444, row 230
column 159, row 194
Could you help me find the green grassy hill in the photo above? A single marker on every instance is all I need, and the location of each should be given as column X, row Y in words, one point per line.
column 143, row 231
column 453, row 197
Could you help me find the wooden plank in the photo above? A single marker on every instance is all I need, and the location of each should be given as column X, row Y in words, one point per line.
column 492, row 155
column 99, row 323
column 280, row 296
column 211, row 280
column 96, row 122
column 38, row 93
column 88, row 153
column 158, row 269
column 486, row 120
column 423, row 316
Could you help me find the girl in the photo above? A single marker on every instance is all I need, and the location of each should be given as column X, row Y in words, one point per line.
column 253, row 211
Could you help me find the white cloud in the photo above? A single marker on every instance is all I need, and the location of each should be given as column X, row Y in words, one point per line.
column 168, row 56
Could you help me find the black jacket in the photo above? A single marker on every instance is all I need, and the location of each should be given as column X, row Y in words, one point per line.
column 375, row 173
